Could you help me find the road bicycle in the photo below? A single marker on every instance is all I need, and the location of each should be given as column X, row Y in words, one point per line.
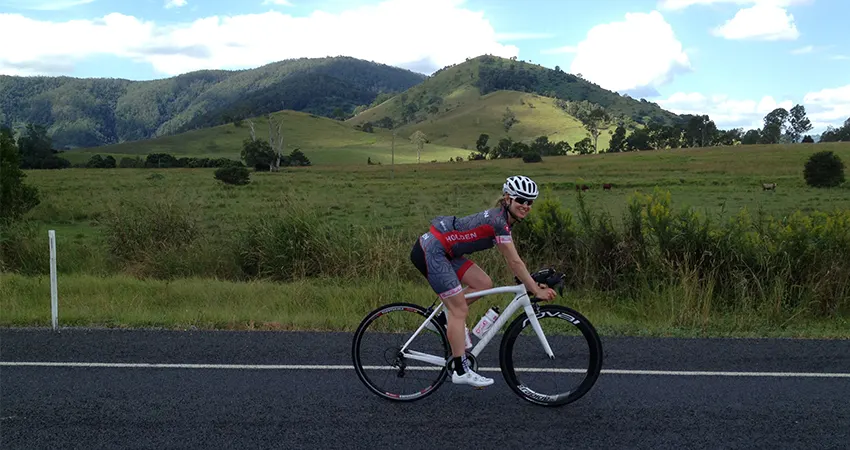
column 420, row 347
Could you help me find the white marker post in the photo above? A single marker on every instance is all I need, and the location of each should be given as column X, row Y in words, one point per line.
column 54, row 300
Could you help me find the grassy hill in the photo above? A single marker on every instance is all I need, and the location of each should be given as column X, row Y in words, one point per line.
column 324, row 141
column 460, row 102
column 92, row 112
column 473, row 115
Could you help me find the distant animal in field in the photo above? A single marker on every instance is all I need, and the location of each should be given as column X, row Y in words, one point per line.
column 768, row 186
column 606, row 186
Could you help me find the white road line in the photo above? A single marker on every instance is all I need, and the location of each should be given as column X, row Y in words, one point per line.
column 482, row 369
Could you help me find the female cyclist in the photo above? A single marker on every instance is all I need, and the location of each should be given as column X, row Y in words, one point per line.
column 439, row 255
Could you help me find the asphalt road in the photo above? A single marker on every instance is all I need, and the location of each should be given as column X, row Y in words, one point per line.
column 144, row 407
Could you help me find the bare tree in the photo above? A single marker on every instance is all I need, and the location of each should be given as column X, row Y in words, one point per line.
column 253, row 135
column 276, row 138
column 418, row 138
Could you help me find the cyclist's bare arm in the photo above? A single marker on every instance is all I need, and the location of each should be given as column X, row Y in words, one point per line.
column 508, row 250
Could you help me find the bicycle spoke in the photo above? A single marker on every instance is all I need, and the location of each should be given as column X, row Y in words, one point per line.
column 536, row 377
column 379, row 362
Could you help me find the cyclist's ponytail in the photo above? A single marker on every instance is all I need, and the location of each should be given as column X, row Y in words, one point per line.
column 501, row 202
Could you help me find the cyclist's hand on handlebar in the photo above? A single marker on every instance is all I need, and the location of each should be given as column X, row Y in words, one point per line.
column 545, row 293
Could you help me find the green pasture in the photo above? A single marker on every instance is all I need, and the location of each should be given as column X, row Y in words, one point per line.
column 381, row 207
column 716, row 181
column 324, row 141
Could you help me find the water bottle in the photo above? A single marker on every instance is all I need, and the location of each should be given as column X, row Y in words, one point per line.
column 487, row 320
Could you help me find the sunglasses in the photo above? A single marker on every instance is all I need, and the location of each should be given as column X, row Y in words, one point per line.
column 523, row 201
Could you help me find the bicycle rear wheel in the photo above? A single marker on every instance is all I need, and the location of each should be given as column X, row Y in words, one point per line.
column 375, row 351
column 557, row 381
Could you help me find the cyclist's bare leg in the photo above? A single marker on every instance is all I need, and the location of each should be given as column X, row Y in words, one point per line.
column 475, row 280
column 456, row 319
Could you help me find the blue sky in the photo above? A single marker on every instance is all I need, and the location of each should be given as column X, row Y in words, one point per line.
column 732, row 59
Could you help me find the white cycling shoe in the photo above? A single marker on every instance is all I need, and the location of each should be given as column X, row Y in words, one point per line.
column 471, row 378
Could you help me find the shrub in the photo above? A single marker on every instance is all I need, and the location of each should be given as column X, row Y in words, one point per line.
column 16, row 197
column 99, row 162
column 127, row 163
column 584, row 146
column 531, row 156
column 286, row 243
column 137, row 227
column 22, row 249
column 155, row 237
column 824, row 169
column 298, row 158
column 233, row 175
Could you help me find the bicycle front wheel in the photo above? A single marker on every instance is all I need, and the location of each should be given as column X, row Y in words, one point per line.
column 379, row 362
column 542, row 380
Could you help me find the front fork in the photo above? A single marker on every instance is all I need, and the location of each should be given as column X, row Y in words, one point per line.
column 531, row 312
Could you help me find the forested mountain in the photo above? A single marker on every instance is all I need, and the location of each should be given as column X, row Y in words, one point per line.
column 92, row 112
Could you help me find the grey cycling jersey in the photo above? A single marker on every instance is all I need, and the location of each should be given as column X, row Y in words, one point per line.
column 472, row 233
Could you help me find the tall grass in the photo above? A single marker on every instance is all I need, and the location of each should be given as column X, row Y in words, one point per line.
column 768, row 265
column 800, row 260
column 20, row 249
column 330, row 304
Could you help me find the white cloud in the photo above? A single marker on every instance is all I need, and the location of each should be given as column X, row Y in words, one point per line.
column 803, row 50
column 62, row 43
column 673, row 5
column 823, row 108
column 251, row 40
column 647, row 53
column 277, row 2
column 564, row 49
column 809, row 49
column 522, row 36
column 724, row 111
column 174, row 3
column 828, row 106
column 43, row 5
column 762, row 21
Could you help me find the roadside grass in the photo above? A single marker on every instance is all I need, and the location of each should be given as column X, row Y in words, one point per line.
column 121, row 301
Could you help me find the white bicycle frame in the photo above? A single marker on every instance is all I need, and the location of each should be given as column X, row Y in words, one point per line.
column 520, row 300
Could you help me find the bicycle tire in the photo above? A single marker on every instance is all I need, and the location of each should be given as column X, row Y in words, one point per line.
column 359, row 367
column 594, row 368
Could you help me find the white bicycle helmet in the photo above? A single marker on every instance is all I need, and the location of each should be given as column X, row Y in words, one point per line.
column 520, row 186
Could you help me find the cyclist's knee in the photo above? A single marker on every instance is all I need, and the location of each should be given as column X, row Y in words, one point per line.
column 457, row 305
column 485, row 283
